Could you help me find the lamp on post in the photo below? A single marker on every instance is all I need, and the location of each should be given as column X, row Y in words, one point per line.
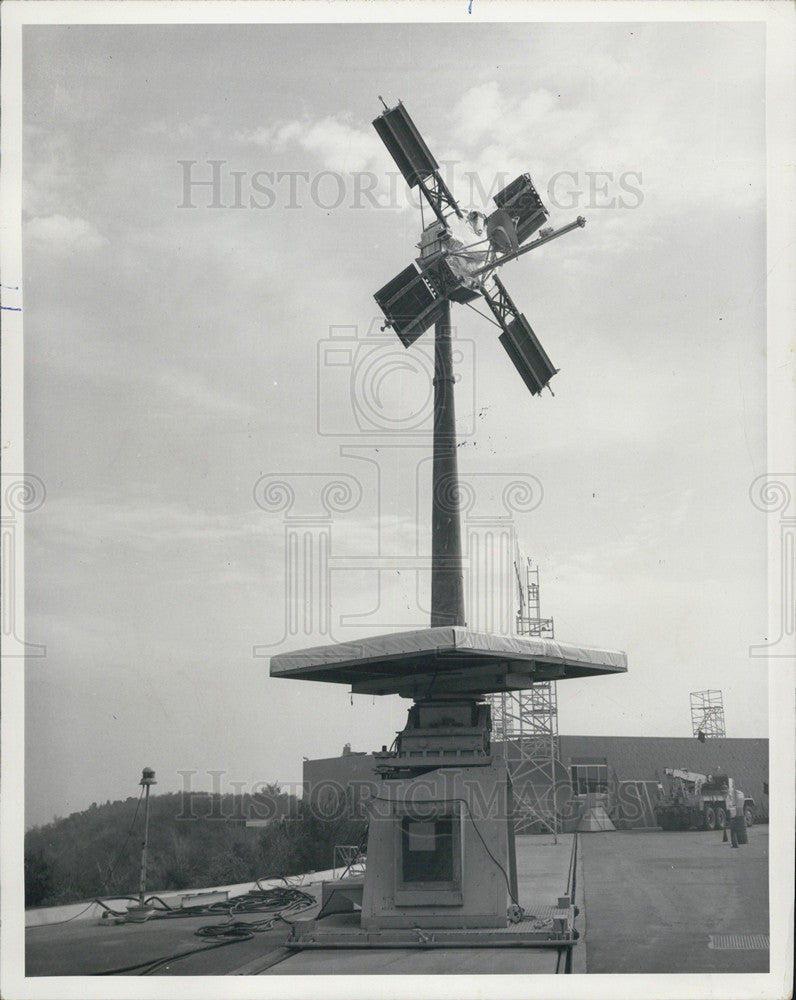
column 147, row 780
column 141, row 912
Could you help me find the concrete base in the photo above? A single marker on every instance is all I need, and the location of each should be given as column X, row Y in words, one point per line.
column 438, row 853
column 542, row 867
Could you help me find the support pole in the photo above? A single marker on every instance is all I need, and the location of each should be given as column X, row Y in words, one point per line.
column 144, row 847
column 447, row 583
column 147, row 780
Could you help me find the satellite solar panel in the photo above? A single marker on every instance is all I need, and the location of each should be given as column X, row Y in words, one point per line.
column 411, row 302
column 527, row 354
column 405, row 144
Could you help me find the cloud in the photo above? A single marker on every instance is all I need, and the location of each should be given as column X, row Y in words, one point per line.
column 142, row 523
column 335, row 140
column 195, row 393
column 712, row 159
column 64, row 234
column 50, row 171
column 478, row 112
column 178, row 130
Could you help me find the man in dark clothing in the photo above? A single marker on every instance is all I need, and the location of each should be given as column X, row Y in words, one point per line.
column 734, row 802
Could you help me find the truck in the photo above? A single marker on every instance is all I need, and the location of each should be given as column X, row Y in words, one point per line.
column 696, row 801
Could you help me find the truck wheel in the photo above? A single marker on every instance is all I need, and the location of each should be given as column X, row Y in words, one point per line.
column 710, row 818
column 721, row 818
column 749, row 816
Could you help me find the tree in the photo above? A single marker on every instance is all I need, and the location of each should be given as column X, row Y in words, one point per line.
column 39, row 877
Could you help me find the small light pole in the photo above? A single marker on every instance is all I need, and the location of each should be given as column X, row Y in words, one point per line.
column 147, row 779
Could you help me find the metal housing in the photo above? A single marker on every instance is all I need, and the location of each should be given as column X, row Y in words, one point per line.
column 521, row 200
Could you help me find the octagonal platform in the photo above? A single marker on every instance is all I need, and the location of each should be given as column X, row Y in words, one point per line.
column 449, row 660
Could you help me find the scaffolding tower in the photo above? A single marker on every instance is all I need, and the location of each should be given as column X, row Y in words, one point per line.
column 707, row 714
column 526, row 722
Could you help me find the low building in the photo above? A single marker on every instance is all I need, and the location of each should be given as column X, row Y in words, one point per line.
column 625, row 771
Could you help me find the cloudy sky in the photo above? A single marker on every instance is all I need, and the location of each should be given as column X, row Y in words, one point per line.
column 176, row 355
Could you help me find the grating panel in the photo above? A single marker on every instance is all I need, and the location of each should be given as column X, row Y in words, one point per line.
column 739, row 942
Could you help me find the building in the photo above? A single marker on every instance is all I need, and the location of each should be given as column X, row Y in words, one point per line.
column 624, row 771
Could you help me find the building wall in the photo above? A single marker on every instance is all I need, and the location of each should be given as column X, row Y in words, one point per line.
column 643, row 758
column 332, row 785
column 635, row 766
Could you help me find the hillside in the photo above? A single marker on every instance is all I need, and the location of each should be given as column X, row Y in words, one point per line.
column 205, row 842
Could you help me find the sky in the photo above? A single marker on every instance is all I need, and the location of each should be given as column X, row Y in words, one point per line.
column 188, row 346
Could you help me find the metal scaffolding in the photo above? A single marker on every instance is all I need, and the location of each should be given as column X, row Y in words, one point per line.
column 526, row 722
column 707, row 714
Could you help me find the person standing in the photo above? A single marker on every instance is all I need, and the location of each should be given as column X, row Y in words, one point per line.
column 734, row 800
column 740, row 817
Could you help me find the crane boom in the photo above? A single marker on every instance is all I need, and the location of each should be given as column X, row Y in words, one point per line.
column 690, row 776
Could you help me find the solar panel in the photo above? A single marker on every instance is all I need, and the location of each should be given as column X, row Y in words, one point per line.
column 412, row 302
column 405, row 144
column 527, row 354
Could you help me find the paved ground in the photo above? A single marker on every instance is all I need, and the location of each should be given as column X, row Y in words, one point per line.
column 89, row 948
column 654, row 899
column 85, row 947
column 650, row 901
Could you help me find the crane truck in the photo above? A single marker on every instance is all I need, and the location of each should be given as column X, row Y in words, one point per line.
column 696, row 801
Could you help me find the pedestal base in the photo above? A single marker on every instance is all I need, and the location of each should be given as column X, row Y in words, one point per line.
column 438, row 852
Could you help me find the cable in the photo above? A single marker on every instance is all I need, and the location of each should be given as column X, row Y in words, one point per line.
column 386, row 798
column 491, row 855
column 271, row 900
column 152, row 964
column 88, row 906
column 483, row 315
column 76, row 915
column 94, row 902
column 275, row 901
column 332, row 894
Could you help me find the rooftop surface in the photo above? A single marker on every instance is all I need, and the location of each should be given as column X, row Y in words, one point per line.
column 443, row 660
column 650, row 902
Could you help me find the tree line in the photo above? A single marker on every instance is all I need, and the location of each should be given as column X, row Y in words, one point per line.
column 204, row 842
